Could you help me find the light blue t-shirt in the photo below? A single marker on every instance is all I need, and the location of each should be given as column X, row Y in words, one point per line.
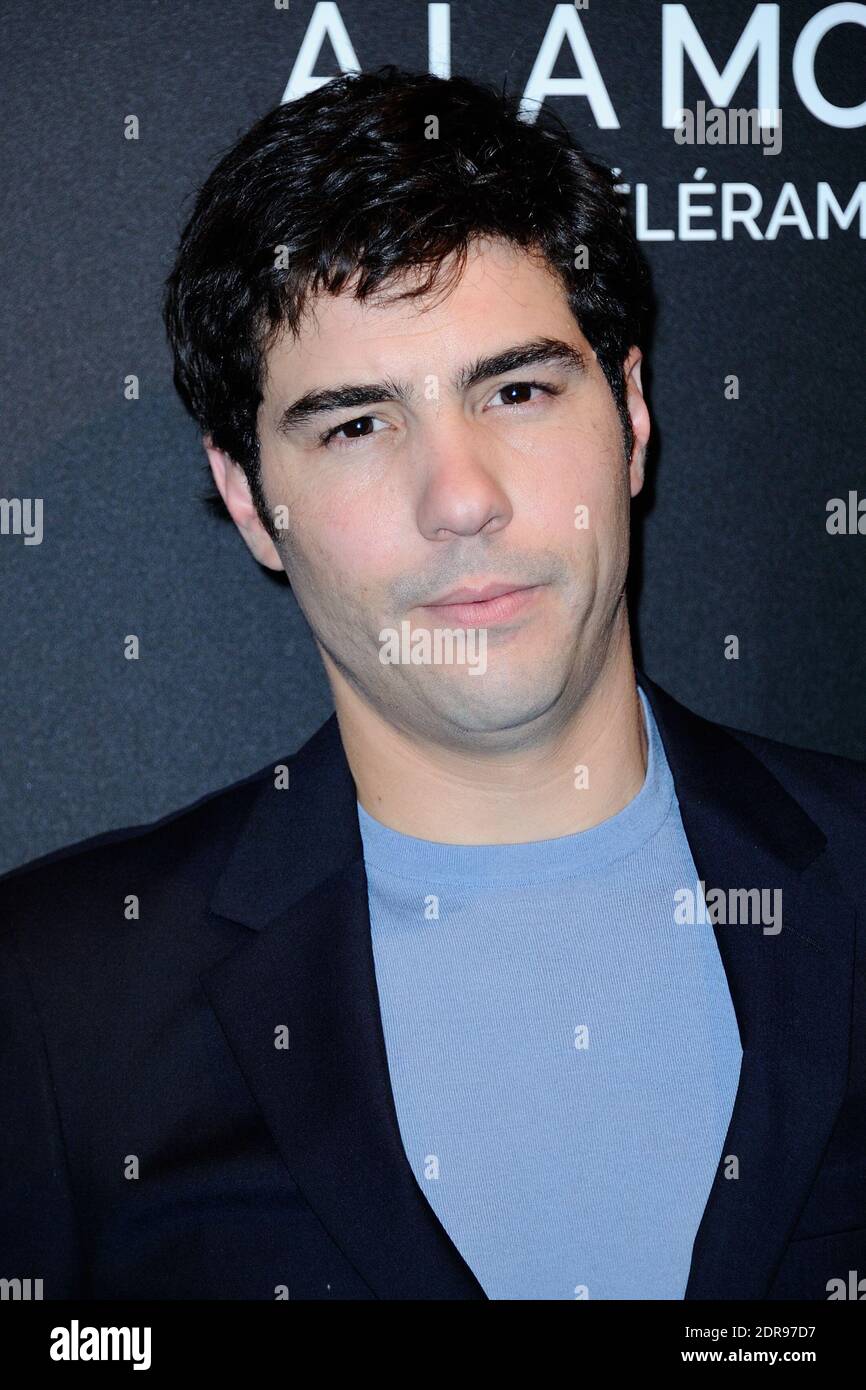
column 564, row 1056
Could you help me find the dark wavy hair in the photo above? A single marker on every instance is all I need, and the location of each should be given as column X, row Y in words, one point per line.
column 348, row 179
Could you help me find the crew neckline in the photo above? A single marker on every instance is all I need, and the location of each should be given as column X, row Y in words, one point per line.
column 392, row 852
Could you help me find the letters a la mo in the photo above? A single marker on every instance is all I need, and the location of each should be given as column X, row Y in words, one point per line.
column 758, row 44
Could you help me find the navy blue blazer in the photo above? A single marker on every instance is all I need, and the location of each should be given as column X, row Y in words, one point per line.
column 156, row 1143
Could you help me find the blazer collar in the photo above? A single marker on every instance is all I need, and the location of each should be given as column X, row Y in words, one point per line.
column 296, row 877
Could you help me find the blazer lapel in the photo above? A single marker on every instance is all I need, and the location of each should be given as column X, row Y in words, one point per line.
column 296, row 878
column 791, row 992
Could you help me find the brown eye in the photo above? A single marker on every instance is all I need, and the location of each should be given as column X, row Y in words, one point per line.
column 356, row 429
column 516, row 387
column 520, row 390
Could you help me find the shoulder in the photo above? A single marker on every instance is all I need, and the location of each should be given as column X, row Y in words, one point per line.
column 830, row 788
column 81, row 887
column 831, row 791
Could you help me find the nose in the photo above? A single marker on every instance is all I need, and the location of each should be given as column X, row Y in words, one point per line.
column 461, row 494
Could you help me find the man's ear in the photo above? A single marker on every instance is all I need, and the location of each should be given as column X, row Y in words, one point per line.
column 231, row 482
column 640, row 419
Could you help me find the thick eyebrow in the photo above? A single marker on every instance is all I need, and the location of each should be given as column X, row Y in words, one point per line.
column 536, row 352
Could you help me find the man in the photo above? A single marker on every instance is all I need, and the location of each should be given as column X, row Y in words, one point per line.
column 519, row 980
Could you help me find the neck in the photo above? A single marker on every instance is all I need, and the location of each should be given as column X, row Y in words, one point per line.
column 422, row 789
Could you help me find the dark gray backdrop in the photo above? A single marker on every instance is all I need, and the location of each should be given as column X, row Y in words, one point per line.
column 732, row 535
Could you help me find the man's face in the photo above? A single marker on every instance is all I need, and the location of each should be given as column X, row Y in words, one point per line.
column 454, row 485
